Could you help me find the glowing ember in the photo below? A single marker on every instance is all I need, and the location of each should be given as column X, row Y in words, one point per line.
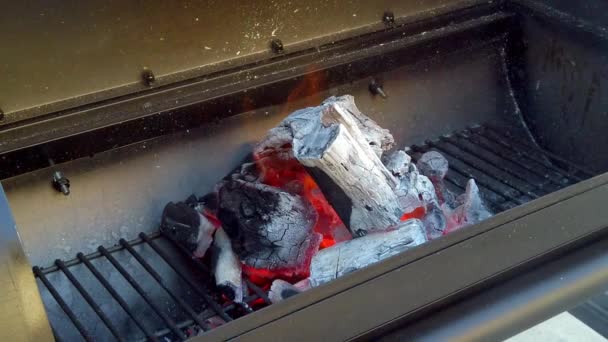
column 290, row 175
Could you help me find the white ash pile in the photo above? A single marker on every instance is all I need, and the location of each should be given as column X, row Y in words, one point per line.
column 326, row 194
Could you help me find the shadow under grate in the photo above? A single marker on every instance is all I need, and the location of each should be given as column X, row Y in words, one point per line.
column 151, row 289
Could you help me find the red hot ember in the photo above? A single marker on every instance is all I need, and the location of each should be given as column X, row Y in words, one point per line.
column 324, row 176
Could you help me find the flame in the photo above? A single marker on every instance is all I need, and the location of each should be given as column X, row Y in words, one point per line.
column 308, row 90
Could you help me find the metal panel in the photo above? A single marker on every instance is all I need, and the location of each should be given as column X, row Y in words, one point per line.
column 22, row 315
column 63, row 54
column 517, row 304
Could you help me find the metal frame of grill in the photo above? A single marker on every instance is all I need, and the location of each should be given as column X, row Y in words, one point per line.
column 493, row 162
column 498, row 158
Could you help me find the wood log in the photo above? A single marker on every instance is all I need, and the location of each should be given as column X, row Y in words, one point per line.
column 226, row 267
column 340, row 147
column 346, row 257
column 269, row 228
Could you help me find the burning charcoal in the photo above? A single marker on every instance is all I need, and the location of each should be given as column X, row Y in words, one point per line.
column 471, row 211
column 346, row 257
column 397, row 163
column 415, row 192
column 340, row 147
column 187, row 226
column 434, row 165
column 227, row 267
column 434, row 221
column 270, row 229
column 281, row 290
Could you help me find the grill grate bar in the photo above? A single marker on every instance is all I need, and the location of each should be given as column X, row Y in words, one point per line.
column 558, row 179
column 205, row 269
column 142, row 293
column 542, row 151
column 523, row 152
column 97, row 255
column 116, row 296
column 85, row 294
column 162, row 283
column 482, row 168
column 496, row 164
column 215, row 306
column 453, row 161
column 496, row 201
column 83, row 332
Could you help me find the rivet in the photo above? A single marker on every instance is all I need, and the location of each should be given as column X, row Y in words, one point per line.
column 148, row 77
column 277, row 46
column 388, row 18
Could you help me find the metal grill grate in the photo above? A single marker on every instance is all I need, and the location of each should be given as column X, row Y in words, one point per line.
column 178, row 291
column 171, row 327
column 508, row 169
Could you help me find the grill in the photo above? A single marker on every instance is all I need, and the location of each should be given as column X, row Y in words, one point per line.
column 509, row 170
column 510, row 92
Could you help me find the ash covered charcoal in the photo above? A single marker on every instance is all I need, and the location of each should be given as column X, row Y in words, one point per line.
column 269, row 228
column 470, row 211
column 415, row 191
column 435, row 222
column 226, row 267
column 187, row 226
column 341, row 148
column 433, row 165
column 281, row 290
column 397, row 162
column 346, row 257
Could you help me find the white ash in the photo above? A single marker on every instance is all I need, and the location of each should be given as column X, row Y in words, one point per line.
column 415, row 191
column 435, row 166
column 281, row 290
column 204, row 238
column 340, row 148
column 378, row 138
column 398, row 163
column 269, row 228
column 227, row 267
column 346, row 257
column 471, row 211
column 435, row 222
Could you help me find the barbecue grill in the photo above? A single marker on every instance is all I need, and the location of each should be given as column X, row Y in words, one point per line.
column 510, row 92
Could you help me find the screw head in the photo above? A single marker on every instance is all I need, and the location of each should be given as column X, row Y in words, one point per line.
column 277, row 46
column 388, row 18
column 148, row 77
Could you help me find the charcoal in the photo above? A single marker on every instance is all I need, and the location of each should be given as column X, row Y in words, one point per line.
column 434, row 221
column 281, row 290
column 434, row 165
column 227, row 267
column 349, row 256
column 471, row 211
column 397, row 163
column 187, row 226
column 415, row 191
column 341, row 149
column 269, row 228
